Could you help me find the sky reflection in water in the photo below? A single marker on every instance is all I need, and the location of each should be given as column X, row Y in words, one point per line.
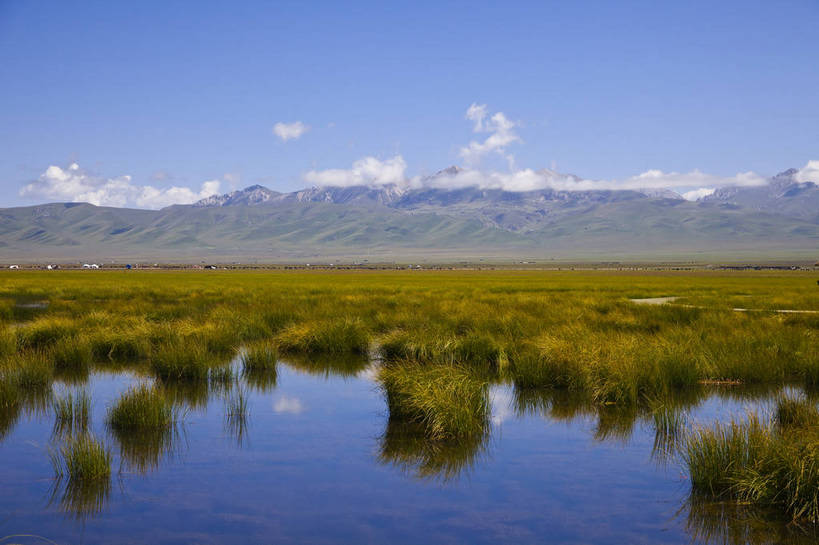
column 316, row 459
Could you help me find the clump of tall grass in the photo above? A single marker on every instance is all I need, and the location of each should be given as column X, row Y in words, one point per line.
column 448, row 402
column 144, row 423
column 756, row 464
column 8, row 341
column 85, row 465
column 182, row 361
column 141, row 408
column 120, row 345
column 82, row 459
column 718, row 457
column 796, row 413
column 33, row 371
column 341, row 336
column 259, row 365
column 72, row 355
column 72, row 413
column 259, row 357
column 45, row 332
column 474, row 349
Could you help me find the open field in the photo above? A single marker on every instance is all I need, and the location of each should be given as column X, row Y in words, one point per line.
column 572, row 341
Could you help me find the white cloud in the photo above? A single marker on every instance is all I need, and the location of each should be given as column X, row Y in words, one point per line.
column 367, row 171
column 288, row 405
column 531, row 180
column 809, row 172
column 501, row 134
column 697, row 194
column 290, row 131
column 73, row 184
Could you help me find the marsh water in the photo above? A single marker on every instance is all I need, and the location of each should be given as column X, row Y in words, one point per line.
column 316, row 460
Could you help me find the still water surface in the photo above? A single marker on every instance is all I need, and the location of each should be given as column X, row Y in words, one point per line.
column 318, row 462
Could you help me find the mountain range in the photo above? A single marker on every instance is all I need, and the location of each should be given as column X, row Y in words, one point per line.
column 779, row 220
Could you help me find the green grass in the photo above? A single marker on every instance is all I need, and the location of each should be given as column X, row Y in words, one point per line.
column 187, row 361
column 142, row 408
column 72, row 355
column 338, row 336
column 259, row 357
column 82, row 459
column 796, row 413
column 143, row 421
column 448, row 402
column 259, row 365
column 571, row 343
column 772, row 465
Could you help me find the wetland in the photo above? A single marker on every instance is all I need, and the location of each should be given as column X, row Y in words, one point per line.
column 462, row 407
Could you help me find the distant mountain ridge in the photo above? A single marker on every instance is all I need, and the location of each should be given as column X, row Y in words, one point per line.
column 780, row 218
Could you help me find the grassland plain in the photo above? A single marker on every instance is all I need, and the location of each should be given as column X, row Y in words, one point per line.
column 440, row 336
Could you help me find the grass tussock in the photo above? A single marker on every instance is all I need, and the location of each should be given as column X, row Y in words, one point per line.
column 72, row 355
column 765, row 465
column 448, row 402
column 142, row 408
column 340, row 336
column 187, row 361
column 260, row 357
column 45, row 332
column 82, row 459
column 259, row 368
column 796, row 413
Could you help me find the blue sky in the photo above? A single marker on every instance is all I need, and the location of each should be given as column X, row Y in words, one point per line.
column 174, row 94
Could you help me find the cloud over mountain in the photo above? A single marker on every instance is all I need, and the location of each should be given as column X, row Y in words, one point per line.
column 368, row 171
column 73, row 184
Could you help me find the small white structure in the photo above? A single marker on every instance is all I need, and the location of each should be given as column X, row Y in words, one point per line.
column 14, row 266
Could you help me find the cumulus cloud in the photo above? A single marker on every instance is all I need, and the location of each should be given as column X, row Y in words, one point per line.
column 368, row 171
column 501, row 134
column 290, row 131
column 809, row 172
column 73, row 184
column 697, row 194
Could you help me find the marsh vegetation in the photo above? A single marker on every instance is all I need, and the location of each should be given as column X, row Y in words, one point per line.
column 568, row 345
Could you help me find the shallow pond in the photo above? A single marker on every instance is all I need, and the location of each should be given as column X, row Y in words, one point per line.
column 317, row 461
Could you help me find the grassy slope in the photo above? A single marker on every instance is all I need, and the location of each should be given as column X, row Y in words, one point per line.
column 619, row 230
